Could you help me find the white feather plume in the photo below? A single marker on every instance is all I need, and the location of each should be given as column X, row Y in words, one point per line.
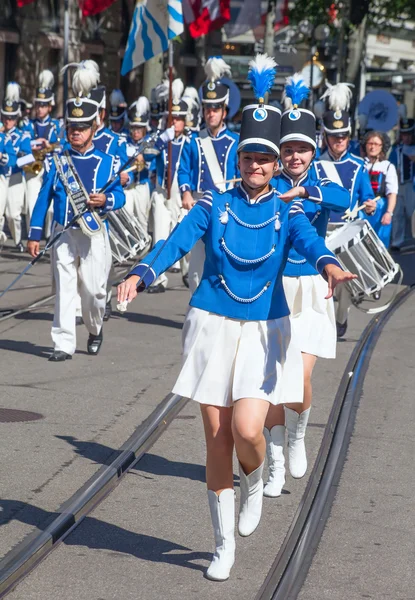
column 215, row 68
column 192, row 93
column 12, row 92
column 338, row 95
column 177, row 88
column 142, row 106
column 84, row 79
column 117, row 98
column 161, row 91
column 46, row 79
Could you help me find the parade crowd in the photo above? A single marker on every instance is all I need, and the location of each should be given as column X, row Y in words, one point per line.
column 244, row 219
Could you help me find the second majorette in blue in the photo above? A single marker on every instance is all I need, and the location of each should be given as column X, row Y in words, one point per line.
column 237, row 330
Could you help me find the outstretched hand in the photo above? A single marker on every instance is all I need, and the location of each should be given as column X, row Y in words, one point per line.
column 335, row 276
column 296, row 192
column 127, row 290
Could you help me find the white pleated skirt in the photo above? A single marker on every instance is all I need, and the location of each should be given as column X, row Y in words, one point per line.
column 313, row 320
column 225, row 360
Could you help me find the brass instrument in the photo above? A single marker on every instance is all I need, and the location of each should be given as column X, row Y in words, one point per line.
column 35, row 167
column 138, row 165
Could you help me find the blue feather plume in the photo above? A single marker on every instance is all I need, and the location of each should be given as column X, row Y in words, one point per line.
column 261, row 74
column 296, row 89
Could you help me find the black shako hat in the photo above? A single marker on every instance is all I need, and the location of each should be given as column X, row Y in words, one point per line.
column 81, row 111
column 11, row 102
column 215, row 93
column 261, row 123
column 336, row 120
column 44, row 91
column 297, row 124
column 139, row 113
column 406, row 125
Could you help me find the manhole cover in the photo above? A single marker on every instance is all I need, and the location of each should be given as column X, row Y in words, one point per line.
column 11, row 415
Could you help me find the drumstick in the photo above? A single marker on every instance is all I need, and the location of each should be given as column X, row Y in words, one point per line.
column 352, row 213
column 234, row 180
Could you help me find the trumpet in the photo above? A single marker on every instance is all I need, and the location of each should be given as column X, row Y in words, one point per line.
column 36, row 165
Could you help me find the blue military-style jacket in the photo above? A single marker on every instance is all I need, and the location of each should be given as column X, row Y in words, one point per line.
column 21, row 146
column 7, row 153
column 142, row 176
column 194, row 174
column 323, row 196
column 405, row 167
column 47, row 128
column 94, row 169
column 114, row 144
column 247, row 247
column 349, row 171
column 161, row 161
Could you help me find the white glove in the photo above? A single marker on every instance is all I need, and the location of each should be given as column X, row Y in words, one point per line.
column 168, row 134
column 122, row 306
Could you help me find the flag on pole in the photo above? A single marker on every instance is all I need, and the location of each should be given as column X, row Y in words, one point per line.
column 245, row 15
column 206, row 15
column 154, row 23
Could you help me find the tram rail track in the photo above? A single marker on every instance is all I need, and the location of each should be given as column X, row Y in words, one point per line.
column 290, row 566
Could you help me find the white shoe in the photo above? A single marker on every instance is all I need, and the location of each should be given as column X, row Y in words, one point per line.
column 296, row 425
column 222, row 512
column 275, row 439
column 250, row 509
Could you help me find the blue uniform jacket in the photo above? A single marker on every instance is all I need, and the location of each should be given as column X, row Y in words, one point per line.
column 247, row 247
column 48, row 128
column 8, row 154
column 349, row 172
column 405, row 167
column 323, row 196
column 142, row 176
column 21, row 146
column 161, row 161
column 111, row 143
column 94, row 168
column 194, row 174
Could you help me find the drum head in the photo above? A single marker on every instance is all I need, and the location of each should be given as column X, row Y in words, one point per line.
column 346, row 236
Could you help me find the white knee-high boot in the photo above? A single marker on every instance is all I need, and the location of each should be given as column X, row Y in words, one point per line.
column 275, row 439
column 222, row 512
column 250, row 509
column 296, row 425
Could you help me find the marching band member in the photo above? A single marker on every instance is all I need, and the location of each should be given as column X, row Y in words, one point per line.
column 118, row 113
column 236, row 334
column 209, row 162
column 12, row 195
column 312, row 317
column 82, row 256
column 384, row 180
column 403, row 158
column 138, row 197
column 194, row 117
column 43, row 131
column 337, row 164
column 167, row 211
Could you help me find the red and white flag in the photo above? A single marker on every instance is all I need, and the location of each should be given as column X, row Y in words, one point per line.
column 203, row 16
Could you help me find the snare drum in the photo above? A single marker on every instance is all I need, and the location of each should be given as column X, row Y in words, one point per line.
column 359, row 250
column 128, row 240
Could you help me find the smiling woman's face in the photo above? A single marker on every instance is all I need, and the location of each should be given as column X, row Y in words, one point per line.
column 296, row 157
column 256, row 168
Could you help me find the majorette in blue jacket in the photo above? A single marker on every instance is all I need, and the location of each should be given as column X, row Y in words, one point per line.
column 47, row 128
column 7, row 154
column 21, row 146
column 94, row 168
column 194, row 174
column 247, row 247
column 349, row 171
column 323, row 196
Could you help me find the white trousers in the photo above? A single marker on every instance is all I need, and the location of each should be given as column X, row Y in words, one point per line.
column 80, row 264
column 161, row 222
column 15, row 205
column 138, row 203
column 4, row 184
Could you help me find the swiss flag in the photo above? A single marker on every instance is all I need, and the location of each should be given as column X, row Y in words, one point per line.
column 203, row 16
column 91, row 7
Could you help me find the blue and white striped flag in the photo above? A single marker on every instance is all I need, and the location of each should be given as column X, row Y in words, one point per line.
column 154, row 23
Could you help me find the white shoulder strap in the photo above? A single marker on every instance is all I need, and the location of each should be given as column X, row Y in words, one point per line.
column 212, row 161
column 330, row 170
